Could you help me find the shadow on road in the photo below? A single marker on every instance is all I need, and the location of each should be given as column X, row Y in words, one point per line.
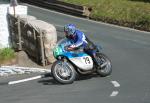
column 48, row 80
column 86, row 77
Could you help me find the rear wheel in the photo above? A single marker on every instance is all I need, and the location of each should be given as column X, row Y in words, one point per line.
column 63, row 72
column 105, row 67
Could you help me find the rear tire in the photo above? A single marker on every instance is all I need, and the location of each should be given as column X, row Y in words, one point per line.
column 106, row 68
column 63, row 72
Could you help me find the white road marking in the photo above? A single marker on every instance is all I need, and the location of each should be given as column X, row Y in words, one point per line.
column 98, row 22
column 114, row 93
column 115, row 83
column 24, row 80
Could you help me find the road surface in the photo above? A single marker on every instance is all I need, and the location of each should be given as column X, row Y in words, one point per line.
column 129, row 51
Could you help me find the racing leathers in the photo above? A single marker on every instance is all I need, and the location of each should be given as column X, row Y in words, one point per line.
column 79, row 40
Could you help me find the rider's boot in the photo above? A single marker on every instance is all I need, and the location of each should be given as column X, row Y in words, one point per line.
column 97, row 62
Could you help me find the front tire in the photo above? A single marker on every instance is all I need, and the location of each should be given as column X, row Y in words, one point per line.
column 105, row 68
column 63, row 72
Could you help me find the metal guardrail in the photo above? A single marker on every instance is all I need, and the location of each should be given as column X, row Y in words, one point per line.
column 61, row 6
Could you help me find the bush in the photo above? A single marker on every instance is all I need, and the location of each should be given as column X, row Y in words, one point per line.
column 6, row 54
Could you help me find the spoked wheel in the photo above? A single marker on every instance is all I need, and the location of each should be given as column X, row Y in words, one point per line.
column 63, row 72
column 105, row 67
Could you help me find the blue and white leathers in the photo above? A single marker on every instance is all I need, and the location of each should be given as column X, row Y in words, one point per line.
column 79, row 39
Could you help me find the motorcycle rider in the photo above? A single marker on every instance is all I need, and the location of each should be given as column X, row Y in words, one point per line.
column 80, row 41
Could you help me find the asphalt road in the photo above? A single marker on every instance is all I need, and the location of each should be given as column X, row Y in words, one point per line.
column 129, row 51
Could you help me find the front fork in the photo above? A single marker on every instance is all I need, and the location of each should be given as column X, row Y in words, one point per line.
column 101, row 62
column 65, row 71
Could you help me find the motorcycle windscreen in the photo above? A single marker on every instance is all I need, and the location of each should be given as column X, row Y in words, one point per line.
column 84, row 62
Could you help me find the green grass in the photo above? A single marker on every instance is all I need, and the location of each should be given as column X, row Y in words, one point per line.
column 6, row 54
column 122, row 11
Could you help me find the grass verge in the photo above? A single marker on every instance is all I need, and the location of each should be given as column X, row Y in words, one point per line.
column 6, row 54
column 131, row 13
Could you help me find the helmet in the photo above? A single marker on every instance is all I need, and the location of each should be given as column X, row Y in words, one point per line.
column 70, row 29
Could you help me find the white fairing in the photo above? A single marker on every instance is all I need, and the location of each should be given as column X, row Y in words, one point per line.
column 84, row 63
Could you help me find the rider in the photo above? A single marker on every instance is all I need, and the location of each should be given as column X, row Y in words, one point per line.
column 80, row 40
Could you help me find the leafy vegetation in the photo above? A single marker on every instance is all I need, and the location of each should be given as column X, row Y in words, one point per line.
column 133, row 13
column 6, row 54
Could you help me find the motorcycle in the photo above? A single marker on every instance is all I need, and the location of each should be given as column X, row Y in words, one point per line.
column 69, row 64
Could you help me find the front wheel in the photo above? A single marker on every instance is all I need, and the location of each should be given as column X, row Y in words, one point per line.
column 63, row 72
column 105, row 67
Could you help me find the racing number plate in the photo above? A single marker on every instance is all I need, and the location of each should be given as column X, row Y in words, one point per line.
column 87, row 60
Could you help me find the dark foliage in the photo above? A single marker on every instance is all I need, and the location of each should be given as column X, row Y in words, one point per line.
column 148, row 1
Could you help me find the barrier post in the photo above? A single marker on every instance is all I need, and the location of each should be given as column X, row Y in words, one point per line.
column 19, row 34
column 42, row 49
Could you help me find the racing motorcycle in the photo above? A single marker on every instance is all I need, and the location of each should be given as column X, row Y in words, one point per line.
column 69, row 64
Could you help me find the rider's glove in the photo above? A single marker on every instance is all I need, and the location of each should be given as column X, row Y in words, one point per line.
column 69, row 48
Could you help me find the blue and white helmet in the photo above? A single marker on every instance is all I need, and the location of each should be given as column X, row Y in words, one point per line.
column 70, row 29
